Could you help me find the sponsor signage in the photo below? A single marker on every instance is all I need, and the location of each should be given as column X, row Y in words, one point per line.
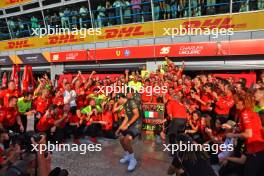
column 239, row 22
column 69, row 56
column 32, row 58
column 5, row 60
column 240, row 47
column 122, row 53
column 7, row 3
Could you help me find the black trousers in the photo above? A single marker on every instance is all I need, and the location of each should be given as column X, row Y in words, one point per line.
column 24, row 121
column 93, row 130
column 254, row 164
column 231, row 168
column 176, row 126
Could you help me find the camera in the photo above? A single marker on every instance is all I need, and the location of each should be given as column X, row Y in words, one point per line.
column 24, row 140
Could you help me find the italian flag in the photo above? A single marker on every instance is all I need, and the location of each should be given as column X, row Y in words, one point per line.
column 151, row 114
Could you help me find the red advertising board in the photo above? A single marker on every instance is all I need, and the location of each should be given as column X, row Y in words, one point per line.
column 69, row 56
column 251, row 77
column 123, row 53
column 197, row 49
column 186, row 50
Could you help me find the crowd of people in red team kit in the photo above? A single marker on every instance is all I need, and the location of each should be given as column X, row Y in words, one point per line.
column 206, row 108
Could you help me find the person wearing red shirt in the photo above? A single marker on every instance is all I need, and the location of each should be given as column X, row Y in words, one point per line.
column 58, row 99
column 224, row 103
column 60, row 132
column 9, row 116
column 178, row 116
column 195, row 126
column 146, row 97
column 108, row 120
column 42, row 102
column 47, row 123
column 206, row 99
column 9, row 92
column 252, row 131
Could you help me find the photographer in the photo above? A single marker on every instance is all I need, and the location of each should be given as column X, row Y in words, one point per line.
column 7, row 155
column 44, row 160
column 189, row 162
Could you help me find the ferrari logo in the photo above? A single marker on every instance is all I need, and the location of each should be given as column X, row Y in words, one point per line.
column 118, row 53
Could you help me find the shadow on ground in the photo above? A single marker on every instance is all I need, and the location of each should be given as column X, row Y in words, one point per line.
column 151, row 160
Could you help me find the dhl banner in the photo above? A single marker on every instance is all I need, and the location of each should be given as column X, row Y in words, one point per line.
column 239, row 22
column 7, row 3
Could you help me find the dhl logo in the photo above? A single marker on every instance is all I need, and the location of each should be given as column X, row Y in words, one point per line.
column 18, row 44
column 129, row 31
column 213, row 23
column 14, row 1
column 63, row 39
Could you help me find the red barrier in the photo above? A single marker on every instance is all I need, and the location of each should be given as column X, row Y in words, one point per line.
column 251, row 77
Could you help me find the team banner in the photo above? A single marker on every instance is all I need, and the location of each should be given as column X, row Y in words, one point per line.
column 224, row 48
column 153, row 114
column 238, row 22
column 7, row 3
column 5, row 60
column 69, row 56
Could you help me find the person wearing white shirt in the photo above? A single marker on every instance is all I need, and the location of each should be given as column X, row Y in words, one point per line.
column 69, row 98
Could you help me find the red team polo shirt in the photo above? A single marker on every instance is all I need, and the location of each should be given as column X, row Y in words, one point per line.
column 176, row 109
column 8, row 116
column 251, row 120
column 41, row 105
column 5, row 94
column 223, row 105
column 45, row 123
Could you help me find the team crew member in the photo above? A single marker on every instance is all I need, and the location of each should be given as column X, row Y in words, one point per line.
column 129, row 129
column 47, row 123
column 178, row 117
column 251, row 130
column 92, row 119
column 9, row 92
column 224, row 103
column 259, row 97
column 69, row 96
column 9, row 116
column 25, row 108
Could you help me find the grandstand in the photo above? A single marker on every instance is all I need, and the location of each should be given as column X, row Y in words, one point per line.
column 132, row 34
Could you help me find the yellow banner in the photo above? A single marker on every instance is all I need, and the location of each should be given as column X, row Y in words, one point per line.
column 7, row 3
column 239, row 22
